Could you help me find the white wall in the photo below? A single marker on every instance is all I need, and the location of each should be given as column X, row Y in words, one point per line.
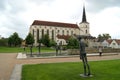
column 83, row 28
column 67, row 31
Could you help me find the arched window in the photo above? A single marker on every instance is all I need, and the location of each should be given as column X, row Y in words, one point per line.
column 71, row 32
column 86, row 31
column 58, row 31
column 52, row 34
column 62, row 32
column 67, row 32
column 47, row 32
column 33, row 32
column 37, row 34
column 42, row 33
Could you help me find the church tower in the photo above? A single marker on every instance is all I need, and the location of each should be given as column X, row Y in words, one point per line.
column 84, row 25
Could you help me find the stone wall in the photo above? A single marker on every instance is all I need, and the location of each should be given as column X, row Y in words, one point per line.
column 93, row 50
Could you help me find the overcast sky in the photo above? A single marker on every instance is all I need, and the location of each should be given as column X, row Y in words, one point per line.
column 18, row 15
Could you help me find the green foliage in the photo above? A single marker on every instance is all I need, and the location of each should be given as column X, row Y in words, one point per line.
column 4, row 42
column 52, row 43
column 14, row 40
column 101, row 70
column 103, row 37
column 29, row 39
column 45, row 40
column 73, row 43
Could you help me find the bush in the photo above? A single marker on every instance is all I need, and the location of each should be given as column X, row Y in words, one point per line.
column 73, row 43
column 3, row 42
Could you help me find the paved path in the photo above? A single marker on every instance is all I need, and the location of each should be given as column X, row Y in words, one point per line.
column 8, row 61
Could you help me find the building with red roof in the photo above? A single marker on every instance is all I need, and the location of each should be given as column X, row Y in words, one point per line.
column 59, row 31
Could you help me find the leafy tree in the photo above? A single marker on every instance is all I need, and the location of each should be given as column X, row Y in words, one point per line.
column 45, row 40
column 17, row 39
column 10, row 40
column 3, row 42
column 73, row 43
column 14, row 40
column 29, row 39
column 52, row 43
column 103, row 37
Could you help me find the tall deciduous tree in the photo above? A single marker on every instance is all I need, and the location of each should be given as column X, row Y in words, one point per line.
column 103, row 37
column 4, row 42
column 45, row 40
column 29, row 39
column 73, row 43
column 14, row 40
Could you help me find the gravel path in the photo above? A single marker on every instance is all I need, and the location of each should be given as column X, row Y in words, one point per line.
column 8, row 61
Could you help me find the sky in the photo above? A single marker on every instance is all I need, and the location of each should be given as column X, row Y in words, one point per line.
column 18, row 15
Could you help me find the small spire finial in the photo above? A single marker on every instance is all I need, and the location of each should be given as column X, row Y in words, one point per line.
column 84, row 13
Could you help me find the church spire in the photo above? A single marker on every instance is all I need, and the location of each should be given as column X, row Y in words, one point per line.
column 84, row 15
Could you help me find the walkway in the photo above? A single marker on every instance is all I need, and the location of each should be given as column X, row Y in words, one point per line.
column 8, row 61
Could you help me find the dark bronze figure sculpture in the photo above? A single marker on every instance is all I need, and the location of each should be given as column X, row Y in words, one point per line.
column 39, row 46
column 83, row 57
column 60, row 47
column 31, row 50
column 56, row 47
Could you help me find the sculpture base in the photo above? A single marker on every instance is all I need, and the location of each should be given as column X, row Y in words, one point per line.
column 82, row 75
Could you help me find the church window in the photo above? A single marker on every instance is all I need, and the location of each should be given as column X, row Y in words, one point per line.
column 42, row 33
column 86, row 31
column 33, row 32
column 37, row 34
column 71, row 32
column 47, row 32
column 52, row 34
column 58, row 31
column 114, row 44
column 63, row 32
column 67, row 32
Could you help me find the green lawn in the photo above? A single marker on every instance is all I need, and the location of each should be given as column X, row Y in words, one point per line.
column 101, row 70
column 20, row 49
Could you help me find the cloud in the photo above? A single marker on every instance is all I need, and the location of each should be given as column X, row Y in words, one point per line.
column 98, row 5
column 18, row 15
column 106, row 21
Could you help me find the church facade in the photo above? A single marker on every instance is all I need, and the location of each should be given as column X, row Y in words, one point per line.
column 58, row 31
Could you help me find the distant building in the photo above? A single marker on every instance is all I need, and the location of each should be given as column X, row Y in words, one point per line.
column 112, row 43
column 59, row 31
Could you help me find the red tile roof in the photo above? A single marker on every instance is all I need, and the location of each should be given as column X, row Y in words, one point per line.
column 109, row 41
column 118, row 41
column 57, row 24
column 65, row 37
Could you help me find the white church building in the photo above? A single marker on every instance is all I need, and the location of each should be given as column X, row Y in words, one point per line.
column 58, row 31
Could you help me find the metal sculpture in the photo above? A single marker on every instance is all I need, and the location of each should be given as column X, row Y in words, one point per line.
column 83, row 57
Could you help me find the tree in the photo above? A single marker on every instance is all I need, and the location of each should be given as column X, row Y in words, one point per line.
column 3, row 42
column 52, row 43
column 45, row 40
column 29, row 39
column 10, row 41
column 73, row 43
column 14, row 40
column 103, row 37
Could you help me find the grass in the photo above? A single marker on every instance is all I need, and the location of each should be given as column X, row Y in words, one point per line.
column 101, row 70
column 20, row 49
